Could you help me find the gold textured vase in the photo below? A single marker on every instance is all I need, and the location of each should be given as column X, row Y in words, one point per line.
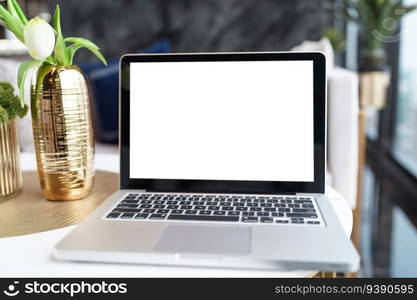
column 63, row 134
column 10, row 172
column 373, row 88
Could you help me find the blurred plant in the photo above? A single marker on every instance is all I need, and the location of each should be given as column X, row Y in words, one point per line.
column 378, row 23
column 45, row 44
column 10, row 107
column 336, row 38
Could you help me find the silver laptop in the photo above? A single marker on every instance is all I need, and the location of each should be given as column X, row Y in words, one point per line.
column 222, row 164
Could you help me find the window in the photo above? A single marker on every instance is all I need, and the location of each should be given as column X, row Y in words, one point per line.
column 405, row 139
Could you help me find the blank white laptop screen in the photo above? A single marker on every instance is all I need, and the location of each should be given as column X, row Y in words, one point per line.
column 222, row 120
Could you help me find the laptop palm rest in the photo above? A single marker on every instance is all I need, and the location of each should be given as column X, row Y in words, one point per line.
column 204, row 239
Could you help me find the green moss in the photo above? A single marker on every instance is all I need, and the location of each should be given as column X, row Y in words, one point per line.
column 10, row 107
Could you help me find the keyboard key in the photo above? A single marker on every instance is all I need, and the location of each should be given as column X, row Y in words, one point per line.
column 246, row 200
column 145, row 206
column 227, row 208
column 127, row 215
column 255, row 209
column 297, row 222
column 162, row 211
column 313, row 222
column 248, row 213
column 301, row 215
column 191, row 212
column 124, row 205
column 177, row 211
column 186, row 207
column 172, row 206
column 145, row 202
column 213, row 207
column 262, row 214
column 149, row 210
column 284, row 209
column 204, row 212
column 270, row 209
column 113, row 215
column 266, row 220
column 282, row 221
column 241, row 208
column 130, row 201
column 275, row 214
column 203, row 218
column 250, row 219
column 303, row 210
column 157, row 216
column 141, row 216
column 219, row 213
column 233, row 213
column 128, row 210
column 307, row 206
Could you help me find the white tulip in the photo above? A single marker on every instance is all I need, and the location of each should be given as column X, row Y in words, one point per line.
column 39, row 38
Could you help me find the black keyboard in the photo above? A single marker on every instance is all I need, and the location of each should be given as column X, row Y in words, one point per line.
column 220, row 208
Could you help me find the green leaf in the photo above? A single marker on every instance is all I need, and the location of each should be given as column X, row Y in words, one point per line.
column 19, row 12
column 72, row 49
column 84, row 43
column 51, row 60
column 12, row 23
column 410, row 8
column 11, row 9
column 60, row 51
column 24, row 68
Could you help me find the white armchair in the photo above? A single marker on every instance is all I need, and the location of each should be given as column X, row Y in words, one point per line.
column 342, row 132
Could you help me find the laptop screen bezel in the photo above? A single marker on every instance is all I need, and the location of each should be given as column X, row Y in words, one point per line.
column 225, row 186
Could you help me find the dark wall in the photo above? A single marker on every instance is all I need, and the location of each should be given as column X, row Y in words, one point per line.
column 121, row 26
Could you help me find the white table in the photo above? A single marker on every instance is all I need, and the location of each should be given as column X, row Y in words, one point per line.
column 31, row 255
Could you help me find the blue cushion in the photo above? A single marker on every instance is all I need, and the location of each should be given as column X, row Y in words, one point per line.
column 104, row 82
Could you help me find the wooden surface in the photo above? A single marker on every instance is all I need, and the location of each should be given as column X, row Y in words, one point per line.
column 29, row 211
column 357, row 215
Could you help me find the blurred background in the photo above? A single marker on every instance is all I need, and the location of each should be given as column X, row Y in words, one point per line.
column 371, row 48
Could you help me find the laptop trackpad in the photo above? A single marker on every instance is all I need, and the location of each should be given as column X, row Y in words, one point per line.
column 204, row 239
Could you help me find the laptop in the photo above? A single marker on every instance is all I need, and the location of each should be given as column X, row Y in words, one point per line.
column 222, row 164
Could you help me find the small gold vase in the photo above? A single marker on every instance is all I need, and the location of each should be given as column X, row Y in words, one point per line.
column 373, row 88
column 10, row 172
column 63, row 134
